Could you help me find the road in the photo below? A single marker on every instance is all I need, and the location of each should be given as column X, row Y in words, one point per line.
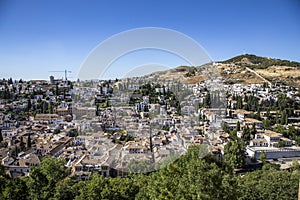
column 257, row 74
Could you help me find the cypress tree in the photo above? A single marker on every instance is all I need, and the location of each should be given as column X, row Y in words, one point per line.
column 1, row 137
column 238, row 126
column 22, row 144
column 28, row 141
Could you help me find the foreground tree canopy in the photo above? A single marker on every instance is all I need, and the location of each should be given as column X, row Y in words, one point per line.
column 189, row 177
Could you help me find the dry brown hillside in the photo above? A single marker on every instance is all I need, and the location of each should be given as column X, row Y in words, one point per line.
column 242, row 69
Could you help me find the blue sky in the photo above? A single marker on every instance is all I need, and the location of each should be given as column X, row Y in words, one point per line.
column 39, row 36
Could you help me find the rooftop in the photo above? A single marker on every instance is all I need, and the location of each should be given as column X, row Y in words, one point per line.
column 272, row 134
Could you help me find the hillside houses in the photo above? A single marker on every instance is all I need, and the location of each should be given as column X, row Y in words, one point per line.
column 102, row 126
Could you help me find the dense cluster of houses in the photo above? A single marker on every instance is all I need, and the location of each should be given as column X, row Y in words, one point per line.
column 274, row 144
column 106, row 138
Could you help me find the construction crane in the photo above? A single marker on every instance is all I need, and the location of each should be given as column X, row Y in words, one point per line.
column 66, row 73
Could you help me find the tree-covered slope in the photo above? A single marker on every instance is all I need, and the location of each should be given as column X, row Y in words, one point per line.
column 260, row 62
column 190, row 177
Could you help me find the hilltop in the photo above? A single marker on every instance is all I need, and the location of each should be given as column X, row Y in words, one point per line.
column 258, row 62
column 271, row 69
column 243, row 69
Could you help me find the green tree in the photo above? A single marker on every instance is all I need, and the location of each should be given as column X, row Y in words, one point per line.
column 295, row 165
column 44, row 107
column 28, row 141
column 267, row 124
column 281, row 143
column 1, row 137
column 271, row 167
column 239, row 102
column 238, row 126
column 253, row 130
column 50, row 108
column 43, row 178
column 65, row 189
column 225, row 127
column 2, row 170
column 120, row 188
column 268, row 184
column 234, row 154
column 15, row 189
column 190, row 177
column 246, row 134
column 284, row 117
column 10, row 81
column 22, row 144
column 56, row 131
column 93, row 188
column 16, row 151
column 263, row 156
column 29, row 104
column 3, row 182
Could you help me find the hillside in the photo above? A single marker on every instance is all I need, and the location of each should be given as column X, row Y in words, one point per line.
column 243, row 69
column 258, row 62
column 273, row 70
